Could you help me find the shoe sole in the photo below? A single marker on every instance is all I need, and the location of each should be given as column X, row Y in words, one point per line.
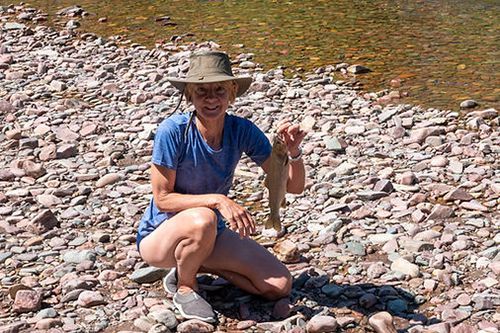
column 206, row 319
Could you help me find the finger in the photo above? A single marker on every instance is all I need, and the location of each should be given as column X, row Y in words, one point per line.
column 252, row 225
column 241, row 229
column 283, row 128
column 247, row 223
column 293, row 129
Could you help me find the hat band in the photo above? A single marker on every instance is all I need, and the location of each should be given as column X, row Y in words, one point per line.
column 208, row 74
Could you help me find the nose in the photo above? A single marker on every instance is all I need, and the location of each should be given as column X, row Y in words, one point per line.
column 211, row 94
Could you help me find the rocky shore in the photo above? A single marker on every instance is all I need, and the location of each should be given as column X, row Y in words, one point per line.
column 400, row 213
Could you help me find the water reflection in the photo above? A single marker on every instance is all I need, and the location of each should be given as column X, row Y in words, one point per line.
column 442, row 51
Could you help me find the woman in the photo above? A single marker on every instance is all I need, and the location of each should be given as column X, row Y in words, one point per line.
column 194, row 158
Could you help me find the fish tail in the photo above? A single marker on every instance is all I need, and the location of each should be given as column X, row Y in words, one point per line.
column 274, row 222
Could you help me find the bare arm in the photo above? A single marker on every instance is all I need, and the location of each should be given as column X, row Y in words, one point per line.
column 162, row 182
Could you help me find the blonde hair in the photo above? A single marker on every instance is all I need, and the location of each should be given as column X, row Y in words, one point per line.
column 231, row 87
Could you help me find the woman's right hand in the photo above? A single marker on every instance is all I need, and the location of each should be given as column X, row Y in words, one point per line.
column 238, row 217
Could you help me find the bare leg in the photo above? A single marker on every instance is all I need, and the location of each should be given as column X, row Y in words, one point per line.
column 184, row 241
column 249, row 266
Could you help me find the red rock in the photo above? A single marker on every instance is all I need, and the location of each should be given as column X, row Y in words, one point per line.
column 322, row 324
column 88, row 299
column 63, row 133
column 43, row 222
column 48, row 153
column 27, row 301
column 458, row 194
column 287, row 251
column 440, row 212
column 245, row 324
column 46, row 323
column 194, row 325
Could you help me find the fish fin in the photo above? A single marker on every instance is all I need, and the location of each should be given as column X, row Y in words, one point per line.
column 283, row 203
column 277, row 224
column 269, row 223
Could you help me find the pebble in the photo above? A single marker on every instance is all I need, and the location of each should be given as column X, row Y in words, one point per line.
column 400, row 210
column 469, row 103
column 322, row 324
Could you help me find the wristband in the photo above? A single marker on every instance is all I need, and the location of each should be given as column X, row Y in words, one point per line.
column 296, row 158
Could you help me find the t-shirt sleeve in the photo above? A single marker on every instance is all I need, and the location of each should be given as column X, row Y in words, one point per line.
column 255, row 144
column 167, row 145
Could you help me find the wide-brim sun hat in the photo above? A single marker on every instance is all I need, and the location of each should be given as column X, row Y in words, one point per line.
column 210, row 67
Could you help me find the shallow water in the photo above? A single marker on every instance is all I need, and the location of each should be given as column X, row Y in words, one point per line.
column 443, row 51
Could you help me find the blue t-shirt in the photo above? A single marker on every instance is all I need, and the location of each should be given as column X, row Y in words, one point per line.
column 199, row 168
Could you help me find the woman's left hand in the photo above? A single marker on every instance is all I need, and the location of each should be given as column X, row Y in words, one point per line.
column 292, row 134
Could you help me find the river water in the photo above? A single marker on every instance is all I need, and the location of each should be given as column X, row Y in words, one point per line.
column 443, row 52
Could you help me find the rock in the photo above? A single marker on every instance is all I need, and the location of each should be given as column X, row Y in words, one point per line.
column 89, row 299
column 405, row 267
column 195, row 326
column 376, row 270
column 368, row 300
column 47, row 323
column 383, row 185
column 382, row 322
column 57, row 86
column 467, row 104
column 371, row 195
column 27, row 301
column 165, row 317
column 458, row 194
column 485, row 301
column 321, row 324
column 474, row 205
column 148, row 275
column 336, row 144
column 33, row 170
column 440, row 212
column 77, row 257
column 245, row 324
column 43, row 222
column 287, row 251
column 108, row 179
column 358, row 69
column 282, row 308
column 332, row 290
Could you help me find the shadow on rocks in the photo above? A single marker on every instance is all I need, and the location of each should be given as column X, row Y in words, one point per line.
column 313, row 295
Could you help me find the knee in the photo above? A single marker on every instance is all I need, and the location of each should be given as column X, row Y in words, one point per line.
column 203, row 223
column 278, row 287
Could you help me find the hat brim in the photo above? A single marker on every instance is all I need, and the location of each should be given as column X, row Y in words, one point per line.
column 243, row 82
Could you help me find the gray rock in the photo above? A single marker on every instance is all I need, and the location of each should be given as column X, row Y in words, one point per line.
column 467, row 104
column 148, row 275
column 77, row 257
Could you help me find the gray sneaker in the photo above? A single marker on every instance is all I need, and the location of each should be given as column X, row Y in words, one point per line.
column 193, row 306
column 170, row 282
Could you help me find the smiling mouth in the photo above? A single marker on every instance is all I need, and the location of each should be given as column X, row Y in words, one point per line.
column 212, row 108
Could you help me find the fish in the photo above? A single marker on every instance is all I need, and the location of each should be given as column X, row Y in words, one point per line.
column 276, row 180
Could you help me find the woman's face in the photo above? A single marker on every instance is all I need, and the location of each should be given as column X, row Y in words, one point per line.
column 210, row 100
